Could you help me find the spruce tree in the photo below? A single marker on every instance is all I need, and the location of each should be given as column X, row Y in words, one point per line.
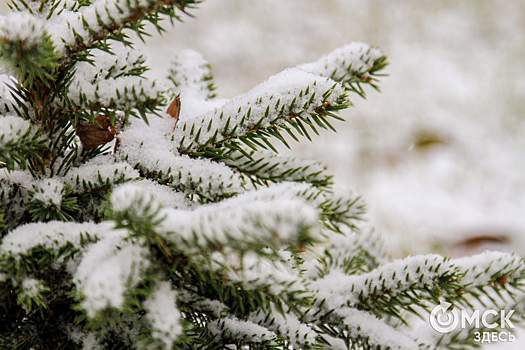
column 142, row 214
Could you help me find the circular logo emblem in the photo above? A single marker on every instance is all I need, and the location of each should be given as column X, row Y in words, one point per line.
column 444, row 321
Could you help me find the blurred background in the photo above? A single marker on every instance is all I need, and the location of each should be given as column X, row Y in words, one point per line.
column 439, row 154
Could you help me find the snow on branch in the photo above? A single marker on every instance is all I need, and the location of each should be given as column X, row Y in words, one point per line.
column 108, row 269
column 163, row 314
column 166, row 195
column 191, row 74
column 49, row 199
column 288, row 325
column 344, row 208
column 291, row 99
column 260, row 224
column 199, row 306
column 232, row 330
column 12, row 128
column 340, row 207
column 254, row 272
column 131, row 202
column 351, row 252
column 351, row 65
column 89, row 340
column 131, row 94
column 360, row 329
column 147, row 148
column 118, row 61
column 28, row 248
column 384, row 290
column 85, row 27
column 30, row 294
column 17, row 142
column 23, row 28
column 48, row 192
column 489, row 268
column 26, row 49
column 53, row 236
column 264, row 167
column 99, row 173
column 283, row 191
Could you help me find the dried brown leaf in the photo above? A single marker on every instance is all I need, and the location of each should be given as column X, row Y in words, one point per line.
column 174, row 109
column 95, row 134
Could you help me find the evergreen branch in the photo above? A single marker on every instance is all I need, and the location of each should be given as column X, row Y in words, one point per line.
column 265, row 167
column 279, row 223
column 237, row 332
column 496, row 271
column 6, row 103
column 13, row 193
column 18, row 143
column 352, row 65
column 91, row 183
column 89, row 95
column 335, row 208
column 107, row 19
column 392, row 287
column 47, row 7
column 191, row 74
column 99, row 175
column 299, row 99
column 362, row 330
column 29, row 248
column 190, row 233
column 27, row 50
column 51, row 200
column 118, row 61
column 163, row 317
column 298, row 334
column 151, row 153
column 351, row 252
column 343, row 208
column 127, row 265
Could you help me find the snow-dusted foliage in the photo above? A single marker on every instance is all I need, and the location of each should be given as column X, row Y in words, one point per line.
column 143, row 214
